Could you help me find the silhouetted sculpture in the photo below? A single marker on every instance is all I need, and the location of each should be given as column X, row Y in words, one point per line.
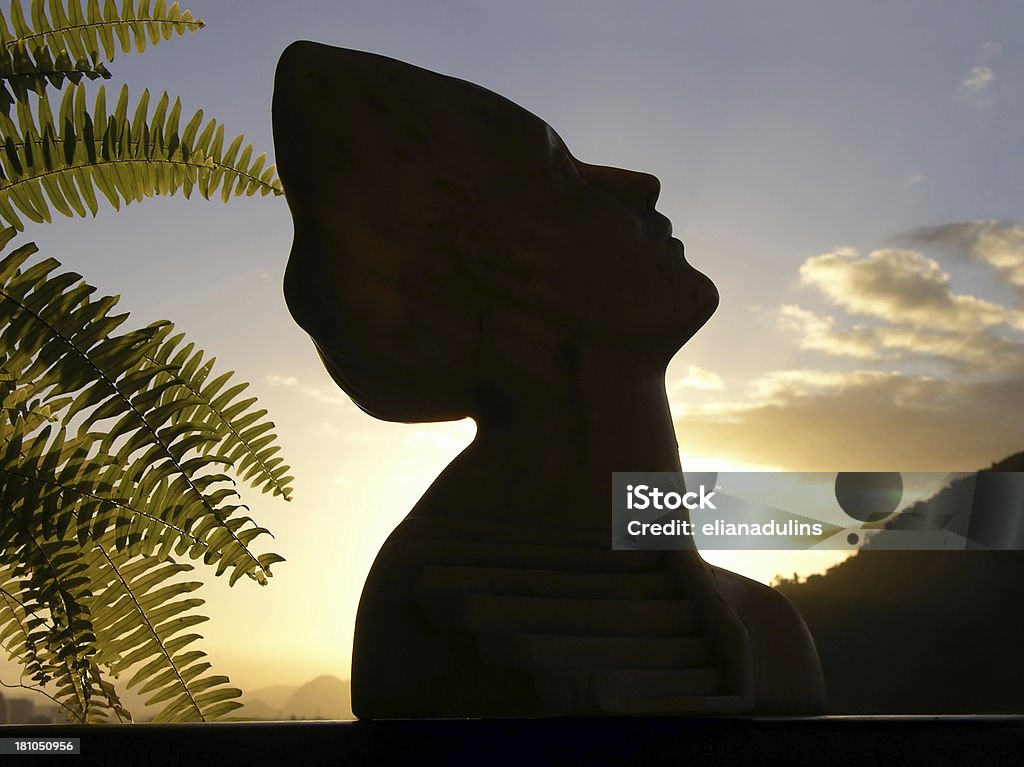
column 452, row 259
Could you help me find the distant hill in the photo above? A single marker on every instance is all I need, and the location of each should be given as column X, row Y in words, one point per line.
column 257, row 709
column 921, row 631
column 326, row 697
column 274, row 698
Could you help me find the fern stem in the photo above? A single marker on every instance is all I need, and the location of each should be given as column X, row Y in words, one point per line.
column 28, row 610
column 69, row 615
column 39, row 689
column 135, row 161
column 53, row 73
column 178, row 23
column 262, row 464
column 153, row 631
column 111, row 501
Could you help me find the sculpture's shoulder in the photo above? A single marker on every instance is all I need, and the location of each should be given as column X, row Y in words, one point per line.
column 787, row 670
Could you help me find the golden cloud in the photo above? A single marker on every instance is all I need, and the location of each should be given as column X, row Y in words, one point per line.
column 964, row 416
column 812, row 420
column 901, row 286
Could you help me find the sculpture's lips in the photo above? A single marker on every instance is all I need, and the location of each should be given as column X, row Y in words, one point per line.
column 662, row 227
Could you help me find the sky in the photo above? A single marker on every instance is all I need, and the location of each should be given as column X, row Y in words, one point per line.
column 851, row 175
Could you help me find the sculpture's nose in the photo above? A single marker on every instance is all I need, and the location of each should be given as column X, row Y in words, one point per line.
column 637, row 191
column 648, row 189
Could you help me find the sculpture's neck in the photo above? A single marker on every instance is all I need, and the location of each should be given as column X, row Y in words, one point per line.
column 547, row 465
column 611, row 424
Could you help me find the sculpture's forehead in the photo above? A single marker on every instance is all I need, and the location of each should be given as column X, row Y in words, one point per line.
column 358, row 109
column 395, row 87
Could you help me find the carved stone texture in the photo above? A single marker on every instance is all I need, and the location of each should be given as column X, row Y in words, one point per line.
column 452, row 258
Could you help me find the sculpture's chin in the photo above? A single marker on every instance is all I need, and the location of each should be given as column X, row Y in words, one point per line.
column 708, row 298
column 695, row 309
column 388, row 396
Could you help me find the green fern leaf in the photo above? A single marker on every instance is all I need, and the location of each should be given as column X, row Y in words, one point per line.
column 234, row 421
column 91, row 517
column 113, row 443
column 53, row 581
column 144, row 609
column 61, row 162
column 69, row 352
column 70, row 42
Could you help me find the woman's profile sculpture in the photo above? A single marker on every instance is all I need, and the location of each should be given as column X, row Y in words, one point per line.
column 451, row 258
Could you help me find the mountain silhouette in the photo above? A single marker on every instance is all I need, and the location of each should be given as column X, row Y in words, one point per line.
column 928, row 632
column 326, row 697
column 254, row 708
column 274, row 698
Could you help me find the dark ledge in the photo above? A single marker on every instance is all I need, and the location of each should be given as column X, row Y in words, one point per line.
column 531, row 742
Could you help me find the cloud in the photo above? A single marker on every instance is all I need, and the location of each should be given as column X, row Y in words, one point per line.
column 818, row 333
column 813, row 420
column 780, row 385
column 978, row 81
column 324, row 394
column 978, row 351
column 998, row 244
column 914, row 180
column 901, row 286
column 901, row 310
column 911, row 310
column 697, row 378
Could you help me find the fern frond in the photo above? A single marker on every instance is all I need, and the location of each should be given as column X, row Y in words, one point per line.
column 65, row 41
column 53, row 581
column 88, row 32
column 21, row 630
column 84, row 36
column 112, row 448
column 140, row 615
column 61, row 342
column 221, row 408
column 21, row 73
column 139, row 609
column 64, row 161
